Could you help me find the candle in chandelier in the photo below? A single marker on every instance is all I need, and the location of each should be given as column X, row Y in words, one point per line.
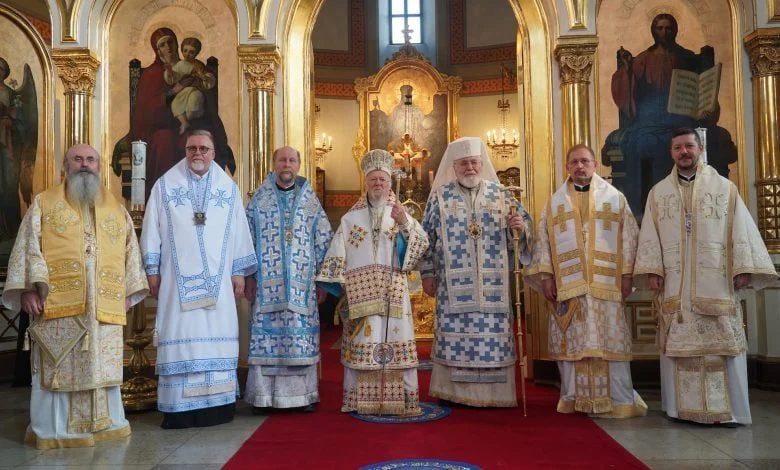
column 419, row 172
column 430, row 177
column 330, row 141
column 138, row 175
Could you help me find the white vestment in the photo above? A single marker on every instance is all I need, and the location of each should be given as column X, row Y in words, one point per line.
column 197, row 324
column 87, row 405
column 586, row 242
column 698, row 236
column 360, row 258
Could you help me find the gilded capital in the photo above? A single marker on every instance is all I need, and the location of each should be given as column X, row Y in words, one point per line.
column 362, row 84
column 77, row 68
column 763, row 46
column 575, row 58
column 259, row 65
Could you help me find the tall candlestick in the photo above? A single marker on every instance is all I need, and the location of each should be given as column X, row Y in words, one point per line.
column 430, row 177
column 138, row 176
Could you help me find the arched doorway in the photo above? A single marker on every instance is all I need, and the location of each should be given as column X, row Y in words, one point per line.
column 533, row 52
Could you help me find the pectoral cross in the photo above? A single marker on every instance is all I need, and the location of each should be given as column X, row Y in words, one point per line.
column 607, row 215
column 199, row 218
column 561, row 217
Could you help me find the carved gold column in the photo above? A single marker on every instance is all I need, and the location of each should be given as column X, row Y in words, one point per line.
column 575, row 59
column 259, row 65
column 77, row 68
column 763, row 46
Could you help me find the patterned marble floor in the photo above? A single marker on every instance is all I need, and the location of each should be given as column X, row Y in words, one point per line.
column 657, row 441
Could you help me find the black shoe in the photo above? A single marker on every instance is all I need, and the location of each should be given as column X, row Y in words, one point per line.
column 309, row 408
column 730, row 424
column 260, row 410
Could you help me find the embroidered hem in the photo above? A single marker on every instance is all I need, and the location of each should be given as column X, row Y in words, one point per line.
column 40, row 443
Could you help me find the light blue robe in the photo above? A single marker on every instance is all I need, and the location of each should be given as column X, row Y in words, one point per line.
column 291, row 234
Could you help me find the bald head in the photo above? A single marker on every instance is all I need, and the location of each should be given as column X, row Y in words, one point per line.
column 81, row 157
column 287, row 163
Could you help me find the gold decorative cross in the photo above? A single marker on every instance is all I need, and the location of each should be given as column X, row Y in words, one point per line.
column 561, row 217
column 607, row 215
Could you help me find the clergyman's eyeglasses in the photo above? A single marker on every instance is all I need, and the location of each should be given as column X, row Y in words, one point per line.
column 192, row 150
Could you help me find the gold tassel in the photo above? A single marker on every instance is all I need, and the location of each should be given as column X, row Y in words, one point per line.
column 85, row 342
column 26, row 345
column 55, row 383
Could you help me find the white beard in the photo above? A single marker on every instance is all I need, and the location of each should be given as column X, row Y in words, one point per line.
column 83, row 187
column 377, row 202
column 197, row 166
column 471, row 181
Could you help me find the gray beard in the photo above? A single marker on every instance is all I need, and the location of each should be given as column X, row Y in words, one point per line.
column 83, row 187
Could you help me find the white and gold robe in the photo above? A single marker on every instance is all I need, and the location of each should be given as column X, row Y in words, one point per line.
column 586, row 241
column 698, row 236
column 360, row 259
column 78, row 402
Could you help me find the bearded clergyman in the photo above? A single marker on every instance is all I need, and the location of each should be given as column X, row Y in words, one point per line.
column 698, row 247
column 76, row 269
column 376, row 244
column 197, row 251
column 469, row 219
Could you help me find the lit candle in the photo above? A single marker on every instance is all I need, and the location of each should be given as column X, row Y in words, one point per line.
column 430, row 177
column 138, row 175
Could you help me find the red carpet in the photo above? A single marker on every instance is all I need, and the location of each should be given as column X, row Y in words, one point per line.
column 489, row 438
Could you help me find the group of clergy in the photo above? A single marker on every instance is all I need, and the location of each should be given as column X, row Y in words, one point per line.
column 77, row 268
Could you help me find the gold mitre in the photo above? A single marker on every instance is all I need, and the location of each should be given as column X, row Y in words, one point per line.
column 377, row 159
column 465, row 147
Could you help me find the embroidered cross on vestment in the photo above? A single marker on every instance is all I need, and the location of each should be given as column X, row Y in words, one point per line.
column 714, row 205
column 607, row 215
column 669, row 207
column 561, row 217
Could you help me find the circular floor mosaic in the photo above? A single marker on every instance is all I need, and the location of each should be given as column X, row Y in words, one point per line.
column 413, row 464
column 430, row 412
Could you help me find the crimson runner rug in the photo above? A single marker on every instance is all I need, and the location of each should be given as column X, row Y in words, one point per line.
column 493, row 438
